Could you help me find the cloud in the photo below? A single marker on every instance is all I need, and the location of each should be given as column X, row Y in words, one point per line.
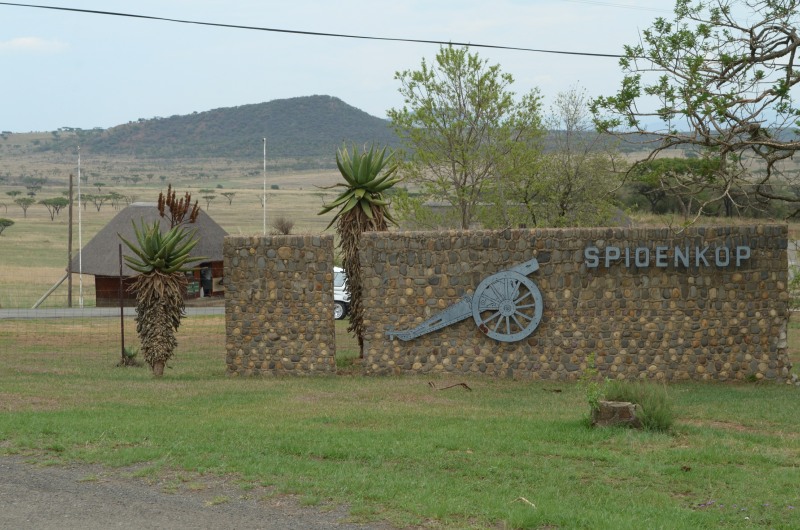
column 31, row 45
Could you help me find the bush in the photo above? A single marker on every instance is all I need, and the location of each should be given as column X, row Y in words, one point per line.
column 593, row 384
column 282, row 226
column 274, row 187
column 656, row 411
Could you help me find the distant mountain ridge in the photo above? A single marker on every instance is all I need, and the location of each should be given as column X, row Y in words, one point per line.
column 307, row 129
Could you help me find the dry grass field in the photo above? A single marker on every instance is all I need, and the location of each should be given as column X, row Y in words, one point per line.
column 33, row 252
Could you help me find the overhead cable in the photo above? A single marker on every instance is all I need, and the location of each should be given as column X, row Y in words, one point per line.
column 310, row 33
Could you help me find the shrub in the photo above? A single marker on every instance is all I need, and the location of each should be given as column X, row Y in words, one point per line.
column 282, row 226
column 656, row 411
column 274, row 187
column 593, row 384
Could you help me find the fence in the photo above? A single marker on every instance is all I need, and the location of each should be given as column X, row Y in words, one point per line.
column 55, row 328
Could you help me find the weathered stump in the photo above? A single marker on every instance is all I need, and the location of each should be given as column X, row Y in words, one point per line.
column 609, row 413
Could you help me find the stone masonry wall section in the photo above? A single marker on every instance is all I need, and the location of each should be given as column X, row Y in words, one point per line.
column 661, row 320
column 279, row 305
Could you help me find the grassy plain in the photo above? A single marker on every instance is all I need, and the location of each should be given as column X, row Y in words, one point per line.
column 33, row 252
column 505, row 455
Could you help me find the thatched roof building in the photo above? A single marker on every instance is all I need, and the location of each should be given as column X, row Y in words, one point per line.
column 100, row 257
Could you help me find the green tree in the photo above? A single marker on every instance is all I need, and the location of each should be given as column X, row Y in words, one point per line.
column 5, row 223
column 686, row 181
column 24, row 203
column 161, row 259
column 459, row 121
column 99, row 200
column 717, row 80
column 115, row 199
column 54, row 205
column 208, row 199
column 572, row 183
column 14, row 193
column 229, row 195
column 361, row 207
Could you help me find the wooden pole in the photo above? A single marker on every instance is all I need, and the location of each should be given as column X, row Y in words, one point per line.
column 121, row 311
column 69, row 247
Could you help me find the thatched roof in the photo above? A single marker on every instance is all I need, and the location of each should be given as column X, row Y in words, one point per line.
column 100, row 257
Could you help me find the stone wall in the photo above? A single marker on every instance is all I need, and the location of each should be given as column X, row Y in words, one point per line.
column 279, row 305
column 671, row 312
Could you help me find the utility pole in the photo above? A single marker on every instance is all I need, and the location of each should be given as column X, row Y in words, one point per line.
column 69, row 246
column 80, row 236
column 264, row 198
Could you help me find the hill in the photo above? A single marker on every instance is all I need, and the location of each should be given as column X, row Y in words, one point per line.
column 306, row 130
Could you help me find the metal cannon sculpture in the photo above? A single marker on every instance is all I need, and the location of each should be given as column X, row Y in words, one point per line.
column 506, row 306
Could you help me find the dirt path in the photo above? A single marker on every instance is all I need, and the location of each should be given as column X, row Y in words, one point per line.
column 89, row 497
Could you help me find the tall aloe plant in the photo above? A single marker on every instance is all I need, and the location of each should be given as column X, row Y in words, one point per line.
column 161, row 260
column 362, row 207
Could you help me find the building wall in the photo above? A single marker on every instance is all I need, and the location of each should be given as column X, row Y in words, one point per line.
column 279, row 305
column 107, row 288
column 662, row 320
column 107, row 292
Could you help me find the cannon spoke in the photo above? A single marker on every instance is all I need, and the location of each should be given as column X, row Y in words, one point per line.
column 507, row 307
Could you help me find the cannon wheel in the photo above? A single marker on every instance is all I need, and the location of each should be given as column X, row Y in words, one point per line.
column 507, row 306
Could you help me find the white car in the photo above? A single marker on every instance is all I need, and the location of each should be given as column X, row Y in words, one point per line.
column 341, row 298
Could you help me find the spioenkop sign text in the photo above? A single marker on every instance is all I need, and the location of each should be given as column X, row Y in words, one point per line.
column 664, row 256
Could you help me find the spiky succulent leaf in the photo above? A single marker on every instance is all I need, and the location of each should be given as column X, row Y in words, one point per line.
column 367, row 174
column 165, row 253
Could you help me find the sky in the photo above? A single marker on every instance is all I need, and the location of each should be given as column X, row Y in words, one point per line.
column 65, row 69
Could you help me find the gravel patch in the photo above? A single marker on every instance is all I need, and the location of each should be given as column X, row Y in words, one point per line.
column 93, row 497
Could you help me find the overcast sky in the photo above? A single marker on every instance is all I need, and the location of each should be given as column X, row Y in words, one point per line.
column 64, row 69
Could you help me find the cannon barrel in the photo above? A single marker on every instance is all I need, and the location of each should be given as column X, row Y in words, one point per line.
column 463, row 309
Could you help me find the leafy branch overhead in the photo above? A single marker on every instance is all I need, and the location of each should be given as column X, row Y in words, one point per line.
column 719, row 80
column 366, row 176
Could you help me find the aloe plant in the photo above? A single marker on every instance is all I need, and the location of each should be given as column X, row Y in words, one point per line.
column 362, row 207
column 161, row 260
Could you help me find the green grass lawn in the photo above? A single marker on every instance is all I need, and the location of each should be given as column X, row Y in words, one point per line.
column 507, row 454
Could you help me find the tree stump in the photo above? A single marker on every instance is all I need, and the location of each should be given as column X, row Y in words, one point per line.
column 610, row 413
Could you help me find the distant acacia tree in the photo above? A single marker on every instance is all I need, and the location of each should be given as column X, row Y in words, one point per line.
column 54, row 205
column 100, row 200
column 24, row 203
column 208, row 199
column 229, row 195
column 115, row 199
column 5, row 223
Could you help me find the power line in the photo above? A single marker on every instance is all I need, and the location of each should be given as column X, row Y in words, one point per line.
column 309, row 33
column 622, row 6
